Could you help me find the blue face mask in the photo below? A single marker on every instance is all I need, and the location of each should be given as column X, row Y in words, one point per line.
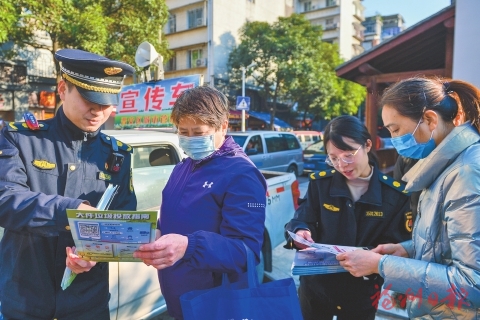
column 407, row 146
column 197, row 147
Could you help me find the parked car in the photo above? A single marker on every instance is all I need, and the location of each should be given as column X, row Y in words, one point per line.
column 314, row 157
column 272, row 150
column 308, row 138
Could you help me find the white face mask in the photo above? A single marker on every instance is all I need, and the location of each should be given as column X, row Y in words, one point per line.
column 197, row 147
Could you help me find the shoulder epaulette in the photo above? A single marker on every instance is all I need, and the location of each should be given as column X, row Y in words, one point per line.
column 122, row 146
column 321, row 174
column 22, row 126
column 394, row 184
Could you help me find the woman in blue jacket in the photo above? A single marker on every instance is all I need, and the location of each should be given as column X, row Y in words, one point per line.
column 213, row 202
column 352, row 204
column 439, row 269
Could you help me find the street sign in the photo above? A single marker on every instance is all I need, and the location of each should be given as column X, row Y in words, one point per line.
column 243, row 103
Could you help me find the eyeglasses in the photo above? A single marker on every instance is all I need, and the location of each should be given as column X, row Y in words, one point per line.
column 348, row 159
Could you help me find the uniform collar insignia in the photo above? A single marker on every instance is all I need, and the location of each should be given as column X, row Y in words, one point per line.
column 43, row 164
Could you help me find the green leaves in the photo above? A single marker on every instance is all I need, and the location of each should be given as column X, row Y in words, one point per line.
column 293, row 63
column 108, row 27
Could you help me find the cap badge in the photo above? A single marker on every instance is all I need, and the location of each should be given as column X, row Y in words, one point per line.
column 112, row 70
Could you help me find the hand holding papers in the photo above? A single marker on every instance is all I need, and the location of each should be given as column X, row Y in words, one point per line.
column 108, row 235
column 318, row 258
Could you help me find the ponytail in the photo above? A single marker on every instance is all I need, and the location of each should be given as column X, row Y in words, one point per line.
column 467, row 97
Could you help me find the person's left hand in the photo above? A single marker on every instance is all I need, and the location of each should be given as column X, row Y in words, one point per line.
column 164, row 252
column 76, row 264
column 360, row 262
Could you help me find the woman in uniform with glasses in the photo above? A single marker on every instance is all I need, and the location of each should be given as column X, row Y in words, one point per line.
column 351, row 204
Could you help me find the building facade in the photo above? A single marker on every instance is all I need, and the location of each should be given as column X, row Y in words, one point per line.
column 202, row 33
column 380, row 28
column 28, row 82
column 341, row 21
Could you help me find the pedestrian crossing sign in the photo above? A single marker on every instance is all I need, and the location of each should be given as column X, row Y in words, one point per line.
column 243, row 103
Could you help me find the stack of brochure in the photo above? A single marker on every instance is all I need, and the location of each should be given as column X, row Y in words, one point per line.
column 315, row 261
column 318, row 258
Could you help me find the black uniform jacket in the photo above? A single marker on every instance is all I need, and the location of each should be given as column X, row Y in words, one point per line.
column 42, row 173
column 381, row 215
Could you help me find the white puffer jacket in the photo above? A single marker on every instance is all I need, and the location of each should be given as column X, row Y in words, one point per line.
column 444, row 270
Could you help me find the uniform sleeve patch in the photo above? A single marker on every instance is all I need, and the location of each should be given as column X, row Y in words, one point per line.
column 409, row 221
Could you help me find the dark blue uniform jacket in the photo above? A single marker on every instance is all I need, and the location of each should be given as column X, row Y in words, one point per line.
column 381, row 215
column 42, row 173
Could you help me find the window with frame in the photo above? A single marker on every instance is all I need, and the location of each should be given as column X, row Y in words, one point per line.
column 195, row 58
column 276, row 142
column 172, row 23
column 331, row 3
column 255, row 143
column 292, row 141
column 171, row 64
column 307, row 6
column 195, row 18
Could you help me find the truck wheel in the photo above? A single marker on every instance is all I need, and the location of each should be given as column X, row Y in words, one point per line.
column 293, row 168
column 261, row 268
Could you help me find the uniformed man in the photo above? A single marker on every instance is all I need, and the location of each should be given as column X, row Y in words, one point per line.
column 47, row 167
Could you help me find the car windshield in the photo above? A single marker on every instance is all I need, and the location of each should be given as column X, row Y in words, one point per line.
column 240, row 140
column 315, row 148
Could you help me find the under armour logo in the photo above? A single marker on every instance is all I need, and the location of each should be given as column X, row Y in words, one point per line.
column 206, row 184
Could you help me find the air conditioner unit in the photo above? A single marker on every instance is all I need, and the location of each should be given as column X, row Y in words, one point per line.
column 201, row 62
column 199, row 21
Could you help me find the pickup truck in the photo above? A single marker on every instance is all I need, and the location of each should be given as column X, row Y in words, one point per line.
column 135, row 292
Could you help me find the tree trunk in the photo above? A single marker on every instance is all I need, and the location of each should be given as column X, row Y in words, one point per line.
column 55, row 47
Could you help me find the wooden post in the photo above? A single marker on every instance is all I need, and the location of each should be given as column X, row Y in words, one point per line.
column 449, row 25
column 371, row 110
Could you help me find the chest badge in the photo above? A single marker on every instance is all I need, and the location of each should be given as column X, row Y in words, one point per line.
column 331, row 207
column 376, row 214
column 104, row 176
column 43, row 164
column 207, row 185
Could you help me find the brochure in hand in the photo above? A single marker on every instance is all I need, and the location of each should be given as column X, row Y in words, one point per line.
column 315, row 261
column 114, row 235
column 318, row 258
column 111, row 235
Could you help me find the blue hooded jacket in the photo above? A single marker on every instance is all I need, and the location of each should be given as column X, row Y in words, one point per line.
column 217, row 202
